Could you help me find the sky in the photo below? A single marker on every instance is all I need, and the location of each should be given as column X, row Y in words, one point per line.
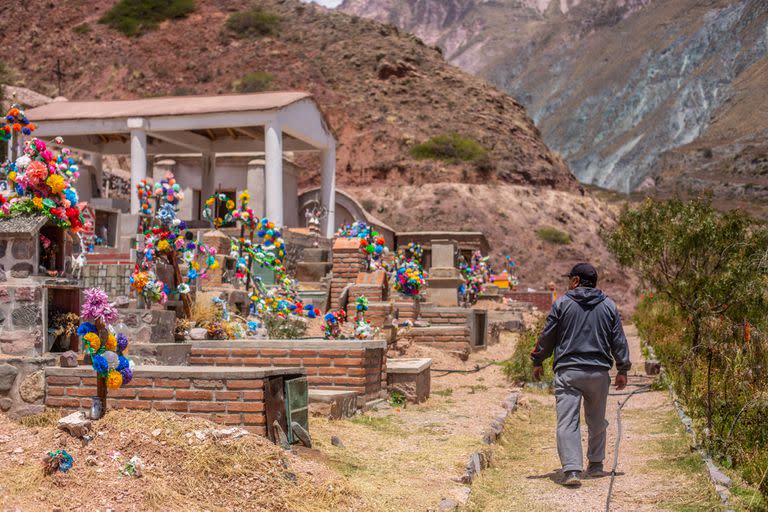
column 327, row 3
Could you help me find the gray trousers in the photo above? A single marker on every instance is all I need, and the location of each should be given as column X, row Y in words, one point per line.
column 571, row 384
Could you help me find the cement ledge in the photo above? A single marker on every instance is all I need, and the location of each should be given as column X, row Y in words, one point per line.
column 311, row 343
column 186, row 372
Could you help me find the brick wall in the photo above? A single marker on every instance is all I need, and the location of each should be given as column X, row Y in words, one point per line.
column 358, row 366
column 446, row 316
column 232, row 396
column 407, row 309
column 348, row 261
column 542, row 300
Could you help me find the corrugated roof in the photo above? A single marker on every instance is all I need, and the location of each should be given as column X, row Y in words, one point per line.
column 170, row 106
column 22, row 224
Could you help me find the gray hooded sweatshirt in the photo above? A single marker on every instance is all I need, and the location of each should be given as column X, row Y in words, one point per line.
column 583, row 330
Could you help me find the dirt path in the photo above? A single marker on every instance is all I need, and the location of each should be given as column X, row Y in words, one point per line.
column 407, row 459
column 656, row 468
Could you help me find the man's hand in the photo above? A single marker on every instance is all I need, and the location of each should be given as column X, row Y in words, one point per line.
column 538, row 371
column 620, row 382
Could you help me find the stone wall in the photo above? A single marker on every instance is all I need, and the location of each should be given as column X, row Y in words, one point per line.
column 232, row 396
column 358, row 366
column 115, row 279
column 148, row 325
column 18, row 255
column 22, row 384
column 348, row 262
column 21, row 317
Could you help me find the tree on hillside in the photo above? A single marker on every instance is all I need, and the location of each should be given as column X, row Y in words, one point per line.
column 710, row 265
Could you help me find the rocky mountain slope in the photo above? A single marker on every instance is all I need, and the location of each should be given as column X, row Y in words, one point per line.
column 383, row 91
column 616, row 84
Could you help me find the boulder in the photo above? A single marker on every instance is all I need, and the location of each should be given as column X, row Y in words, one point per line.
column 5, row 404
column 68, row 359
column 198, row 333
column 32, row 387
column 7, row 377
column 76, row 424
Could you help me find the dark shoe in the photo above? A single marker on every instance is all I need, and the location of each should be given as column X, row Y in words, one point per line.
column 571, row 479
column 595, row 470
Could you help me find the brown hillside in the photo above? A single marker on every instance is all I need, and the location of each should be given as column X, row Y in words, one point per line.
column 382, row 90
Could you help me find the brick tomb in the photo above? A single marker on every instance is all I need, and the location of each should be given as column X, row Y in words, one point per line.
column 352, row 365
column 232, row 396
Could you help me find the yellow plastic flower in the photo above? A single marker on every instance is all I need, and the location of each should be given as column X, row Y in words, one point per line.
column 215, row 265
column 93, row 341
column 163, row 245
column 230, row 204
column 195, row 265
column 38, row 201
column 12, row 176
column 111, row 343
column 114, row 379
column 244, row 195
column 210, row 201
column 56, row 183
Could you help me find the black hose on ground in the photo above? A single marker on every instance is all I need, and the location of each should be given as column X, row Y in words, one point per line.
column 477, row 368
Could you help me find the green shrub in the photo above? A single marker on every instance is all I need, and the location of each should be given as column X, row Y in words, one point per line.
column 82, row 28
column 449, row 147
column 553, row 236
column 257, row 81
column 519, row 368
column 253, row 23
column 284, row 328
column 137, row 17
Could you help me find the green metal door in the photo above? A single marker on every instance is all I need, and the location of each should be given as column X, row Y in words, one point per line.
column 296, row 404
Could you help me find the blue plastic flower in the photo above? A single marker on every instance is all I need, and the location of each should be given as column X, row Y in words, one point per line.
column 85, row 328
column 122, row 363
column 71, row 195
column 100, row 364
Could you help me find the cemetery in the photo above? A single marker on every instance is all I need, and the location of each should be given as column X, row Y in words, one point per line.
column 220, row 292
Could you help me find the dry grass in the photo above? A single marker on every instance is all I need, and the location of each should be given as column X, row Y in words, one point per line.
column 49, row 418
column 204, row 310
column 230, row 474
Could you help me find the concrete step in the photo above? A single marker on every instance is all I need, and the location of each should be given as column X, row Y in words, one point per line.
column 333, row 404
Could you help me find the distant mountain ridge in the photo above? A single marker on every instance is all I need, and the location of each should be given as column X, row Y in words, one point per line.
column 627, row 91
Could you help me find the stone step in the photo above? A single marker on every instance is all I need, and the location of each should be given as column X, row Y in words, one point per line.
column 333, row 404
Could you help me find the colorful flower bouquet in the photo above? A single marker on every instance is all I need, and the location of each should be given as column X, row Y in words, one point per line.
column 40, row 181
column 106, row 348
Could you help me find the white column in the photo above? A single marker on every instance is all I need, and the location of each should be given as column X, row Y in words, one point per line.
column 255, row 185
column 273, row 172
column 328, row 190
column 138, row 165
column 98, row 170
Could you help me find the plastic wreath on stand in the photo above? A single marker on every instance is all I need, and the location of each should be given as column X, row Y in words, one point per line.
column 333, row 322
column 166, row 238
column 363, row 329
column 38, row 180
column 372, row 244
column 476, row 273
column 106, row 347
column 412, row 252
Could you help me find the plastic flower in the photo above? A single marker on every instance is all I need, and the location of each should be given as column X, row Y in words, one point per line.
column 183, row 288
column 111, row 343
column 97, row 307
column 114, row 379
column 100, row 364
column 57, row 183
column 85, row 328
column 36, row 173
column 127, row 374
column 163, row 245
column 93, row 342
column 122, row 342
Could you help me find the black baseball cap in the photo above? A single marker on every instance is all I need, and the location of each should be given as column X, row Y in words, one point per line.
column 585, row 272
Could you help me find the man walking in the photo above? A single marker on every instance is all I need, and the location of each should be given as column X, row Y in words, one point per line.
column 584, row 331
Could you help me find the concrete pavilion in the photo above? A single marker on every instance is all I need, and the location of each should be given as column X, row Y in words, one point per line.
column 208, row 126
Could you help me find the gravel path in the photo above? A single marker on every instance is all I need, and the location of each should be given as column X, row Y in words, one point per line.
column 656, row 469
